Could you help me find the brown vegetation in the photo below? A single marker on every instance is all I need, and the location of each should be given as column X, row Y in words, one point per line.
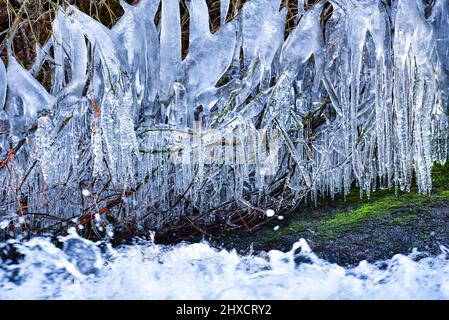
column 29, row 21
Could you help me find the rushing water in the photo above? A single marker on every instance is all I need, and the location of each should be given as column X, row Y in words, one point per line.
column 84, row 270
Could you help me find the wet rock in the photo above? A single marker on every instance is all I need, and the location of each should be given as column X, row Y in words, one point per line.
column 301, row 257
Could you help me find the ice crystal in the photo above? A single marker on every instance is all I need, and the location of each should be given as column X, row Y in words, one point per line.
column 358, row 96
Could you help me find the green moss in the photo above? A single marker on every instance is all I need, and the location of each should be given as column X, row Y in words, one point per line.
column 440, row 176
column 443, row 195
column 333, row 219
column 292, row 228
column 400, row 209
column 341, row 222
column 403, row 207
column 384, row 202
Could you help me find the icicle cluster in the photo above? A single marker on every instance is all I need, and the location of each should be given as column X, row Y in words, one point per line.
column 357, row 93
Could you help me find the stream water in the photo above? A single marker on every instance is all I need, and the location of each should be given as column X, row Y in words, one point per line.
column 84, row 270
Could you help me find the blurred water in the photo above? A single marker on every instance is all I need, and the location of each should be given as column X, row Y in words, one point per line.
column 84, row 270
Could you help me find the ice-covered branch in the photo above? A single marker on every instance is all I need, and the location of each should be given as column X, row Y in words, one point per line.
column 357, row 93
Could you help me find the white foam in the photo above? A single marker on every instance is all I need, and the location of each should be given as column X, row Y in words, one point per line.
column 198, row 271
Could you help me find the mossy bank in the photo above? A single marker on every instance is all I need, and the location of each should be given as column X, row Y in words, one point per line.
column 346, row 231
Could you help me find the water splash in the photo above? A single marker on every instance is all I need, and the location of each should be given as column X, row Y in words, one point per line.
column 83, row 270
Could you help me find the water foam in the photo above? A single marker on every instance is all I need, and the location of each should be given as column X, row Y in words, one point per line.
column 85, row 270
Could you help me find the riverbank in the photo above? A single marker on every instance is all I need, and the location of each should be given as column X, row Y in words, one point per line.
column 342, row 231
column 346, row 231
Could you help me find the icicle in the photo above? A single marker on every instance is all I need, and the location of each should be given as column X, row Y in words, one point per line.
column 4, row 121
column 262, row 38
column 413, row 45
column 130, row 32
column 214, row 50
column 178, row 112
column 103, row 40
column 69, row 46
column 2, row 85
column 170, row 47
column 304, row 41
column 440, row 22
column 42, row 55
column 224, row 9
column 44, row 149
column 30, row 97
column 358, row 98
column 60, row 48
column 152, row 73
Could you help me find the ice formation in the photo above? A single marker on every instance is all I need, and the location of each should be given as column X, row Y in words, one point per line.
column 249, row 119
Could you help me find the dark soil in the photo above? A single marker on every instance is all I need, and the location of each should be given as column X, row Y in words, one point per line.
column 347, row 231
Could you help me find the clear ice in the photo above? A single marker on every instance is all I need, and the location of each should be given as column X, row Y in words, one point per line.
column 357, row 98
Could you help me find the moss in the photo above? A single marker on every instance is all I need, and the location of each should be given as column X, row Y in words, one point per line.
column 440, row 177
column 399, row 210
column 443, row 195
column 296, row 226
column 352, row 215
column 384, row 202
column 341, row 222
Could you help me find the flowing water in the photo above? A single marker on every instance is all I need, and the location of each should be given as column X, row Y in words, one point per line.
column 84, row 270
